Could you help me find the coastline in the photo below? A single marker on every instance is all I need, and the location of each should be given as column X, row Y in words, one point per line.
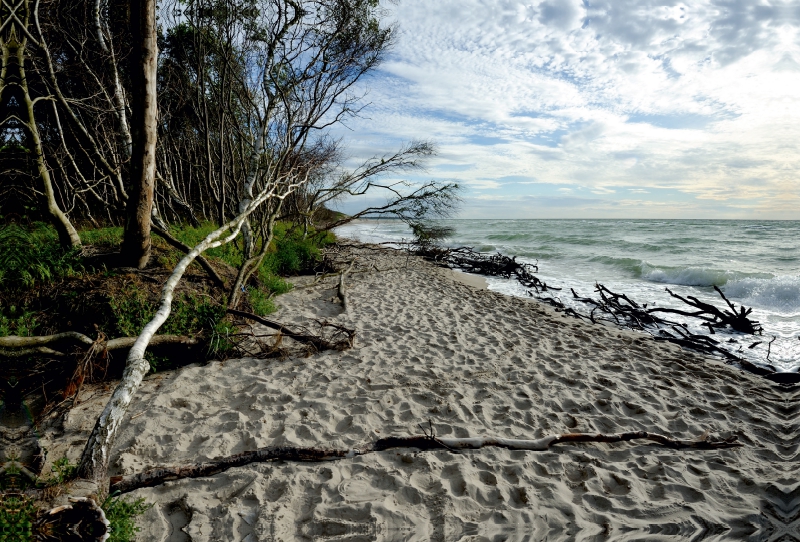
column 474, row 363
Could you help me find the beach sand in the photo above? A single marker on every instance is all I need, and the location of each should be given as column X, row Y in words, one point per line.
column 474, row 363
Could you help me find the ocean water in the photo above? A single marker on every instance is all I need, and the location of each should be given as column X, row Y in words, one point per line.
column 756, row 264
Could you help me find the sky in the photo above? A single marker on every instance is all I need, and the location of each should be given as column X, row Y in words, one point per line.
column 595, row 109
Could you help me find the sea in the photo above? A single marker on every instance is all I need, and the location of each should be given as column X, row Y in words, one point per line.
column 756, row 264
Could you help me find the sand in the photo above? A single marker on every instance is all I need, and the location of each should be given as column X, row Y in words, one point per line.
column 474, row 363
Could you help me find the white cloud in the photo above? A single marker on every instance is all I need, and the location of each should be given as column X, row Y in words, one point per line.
column 696, row 97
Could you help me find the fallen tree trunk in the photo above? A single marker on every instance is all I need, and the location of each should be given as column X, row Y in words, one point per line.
column 156, row 477
column 93, row 464
column 14, row 346
column 212, row 273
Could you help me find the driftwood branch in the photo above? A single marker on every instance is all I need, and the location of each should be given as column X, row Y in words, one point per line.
column 427, row 442
column 340, row 291
column 494, row 265
column 317, row 342
column 715, row 317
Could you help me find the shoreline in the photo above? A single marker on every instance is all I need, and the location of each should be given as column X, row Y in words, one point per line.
column 475, row 363
column 641, row 260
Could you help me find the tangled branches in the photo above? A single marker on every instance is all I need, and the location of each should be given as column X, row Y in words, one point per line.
column 492, row 265
column 329, row 337
column 613, row 307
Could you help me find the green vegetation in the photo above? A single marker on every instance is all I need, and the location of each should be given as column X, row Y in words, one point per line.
column 32, row 255
column 62, row 471
column 16, row 518
column 192, row 312
column 64, row 291
column 261, row 302
column 110, row 236
column 17, row 322
column 122, row 514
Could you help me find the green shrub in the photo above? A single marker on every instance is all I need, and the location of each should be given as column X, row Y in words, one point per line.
column 191, row 312
column 62, row 471
column 294, row 254
column 230, row 253
column 261, row 302
column 132, row 309
column 18, row 321
column 122, row 514
column 273, row 283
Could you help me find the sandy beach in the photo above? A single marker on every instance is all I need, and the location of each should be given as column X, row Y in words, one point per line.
column 434, row 344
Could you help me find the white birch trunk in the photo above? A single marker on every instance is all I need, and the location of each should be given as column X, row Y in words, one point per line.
column 95, row 458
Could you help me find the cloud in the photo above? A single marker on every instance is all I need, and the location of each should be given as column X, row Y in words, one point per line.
column 562, row 14
column 619, row 96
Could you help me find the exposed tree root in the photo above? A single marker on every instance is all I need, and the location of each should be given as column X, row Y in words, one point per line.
column 81, row 519
column 421, row 442
column 343, row 338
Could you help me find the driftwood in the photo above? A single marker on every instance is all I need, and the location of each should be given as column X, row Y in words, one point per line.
column 613, row 307
column 344, row 339
column 340, row 290
column 714, row 317
column 423, row 442
column 493, row 265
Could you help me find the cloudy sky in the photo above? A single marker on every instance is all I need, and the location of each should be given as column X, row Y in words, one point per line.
column 607, row 108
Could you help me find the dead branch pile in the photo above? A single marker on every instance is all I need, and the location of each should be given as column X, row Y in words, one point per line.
column 493, row 265
column 425, row 442
column 623, row 311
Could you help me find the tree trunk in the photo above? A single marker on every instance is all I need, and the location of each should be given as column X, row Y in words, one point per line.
column 136, row 240
column 14, row 52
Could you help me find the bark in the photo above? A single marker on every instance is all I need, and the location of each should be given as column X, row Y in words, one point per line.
column 94, row 460
column 136, row 239
column 164, row 234
column 427, row 442
column 13, row 346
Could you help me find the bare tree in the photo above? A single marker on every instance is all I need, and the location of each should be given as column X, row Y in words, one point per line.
column 408, row 201
column 16, row 38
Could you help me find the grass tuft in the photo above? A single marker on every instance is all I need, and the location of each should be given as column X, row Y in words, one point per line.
column 122, row 514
